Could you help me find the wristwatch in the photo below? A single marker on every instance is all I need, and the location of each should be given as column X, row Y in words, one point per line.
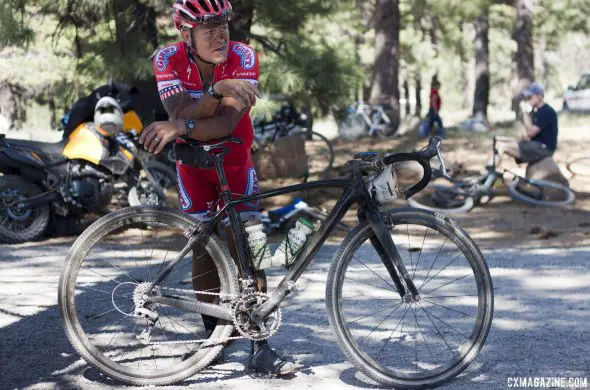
column 211, row 92
column 189, row 125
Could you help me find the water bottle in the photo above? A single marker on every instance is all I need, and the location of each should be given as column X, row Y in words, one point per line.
column 291, row 246
column 257, row 241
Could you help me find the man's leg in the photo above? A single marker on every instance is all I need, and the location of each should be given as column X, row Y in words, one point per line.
column 509, row 147
column 441, row 130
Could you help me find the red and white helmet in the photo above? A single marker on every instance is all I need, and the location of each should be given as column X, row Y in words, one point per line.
column 191, row 13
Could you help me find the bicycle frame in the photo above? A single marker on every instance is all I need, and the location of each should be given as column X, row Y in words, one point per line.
column 354, row 192
column 375, row 119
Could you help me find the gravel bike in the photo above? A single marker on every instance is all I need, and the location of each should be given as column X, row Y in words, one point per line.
column 365, row 119
column 460, row 196
column 409, row 295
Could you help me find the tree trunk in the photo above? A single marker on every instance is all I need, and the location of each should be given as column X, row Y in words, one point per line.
column 525, row 53
column 241, row 22
column 418, row 91
column 385, row 89
column 407, row 97
column 466, row 101
column 482, row 67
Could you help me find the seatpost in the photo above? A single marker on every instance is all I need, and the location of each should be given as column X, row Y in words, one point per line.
column 236, row 222
column 494, row 154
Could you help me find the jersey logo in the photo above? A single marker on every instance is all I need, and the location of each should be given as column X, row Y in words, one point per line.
column 252, row 187
column 247, row 56
column 163, row 57
column 185, row 201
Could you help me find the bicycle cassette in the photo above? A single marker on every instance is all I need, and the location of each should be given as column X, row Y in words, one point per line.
column 243, row 307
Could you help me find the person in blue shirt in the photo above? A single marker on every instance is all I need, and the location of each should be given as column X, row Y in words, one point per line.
column 541, row 127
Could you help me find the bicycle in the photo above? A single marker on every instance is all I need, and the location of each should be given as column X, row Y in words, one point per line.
column 363, row 118
column 133, row 320
column 288, row 122
column 460, row 196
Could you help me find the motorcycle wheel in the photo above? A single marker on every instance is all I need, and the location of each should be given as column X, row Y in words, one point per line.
column 18, row 224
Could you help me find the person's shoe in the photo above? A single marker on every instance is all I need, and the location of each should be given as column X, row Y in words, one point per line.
column 266, row 361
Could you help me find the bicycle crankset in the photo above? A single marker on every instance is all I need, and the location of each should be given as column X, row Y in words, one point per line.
column 243, row 307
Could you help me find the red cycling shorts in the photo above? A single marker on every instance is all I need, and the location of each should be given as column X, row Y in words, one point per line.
column 199, row 190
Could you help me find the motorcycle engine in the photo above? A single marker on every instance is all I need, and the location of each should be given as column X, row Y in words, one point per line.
column 89, row 189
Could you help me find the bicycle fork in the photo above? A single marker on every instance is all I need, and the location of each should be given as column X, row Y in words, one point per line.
column 389, row 255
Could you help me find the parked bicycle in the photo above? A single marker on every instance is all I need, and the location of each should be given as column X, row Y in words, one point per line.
column 460, row 196
column 288, row 122
column 409, row 295
column 365, row 119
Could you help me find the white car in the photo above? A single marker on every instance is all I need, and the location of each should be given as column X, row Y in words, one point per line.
column 578, row 98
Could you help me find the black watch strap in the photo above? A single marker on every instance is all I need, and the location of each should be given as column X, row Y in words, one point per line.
column 211, row 92
column 189, row 125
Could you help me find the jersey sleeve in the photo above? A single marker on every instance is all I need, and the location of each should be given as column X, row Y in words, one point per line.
column 169, row 83
column 244, row 64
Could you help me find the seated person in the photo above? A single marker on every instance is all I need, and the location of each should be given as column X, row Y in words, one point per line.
column 541, row 127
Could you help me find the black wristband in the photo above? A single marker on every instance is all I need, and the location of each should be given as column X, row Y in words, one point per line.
column 211, row 92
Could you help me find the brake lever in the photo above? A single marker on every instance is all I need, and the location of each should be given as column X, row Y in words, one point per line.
column 443, row 169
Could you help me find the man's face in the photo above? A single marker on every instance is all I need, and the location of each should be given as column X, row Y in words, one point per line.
column 535, row 100
column 212, row 42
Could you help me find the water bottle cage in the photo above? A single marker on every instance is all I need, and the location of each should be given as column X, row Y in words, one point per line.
column 290, row 256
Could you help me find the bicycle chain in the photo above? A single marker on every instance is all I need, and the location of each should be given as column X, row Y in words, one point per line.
column 197, row 341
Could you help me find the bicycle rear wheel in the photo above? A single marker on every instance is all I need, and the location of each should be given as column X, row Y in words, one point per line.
column 541, row 193
column 417, row 344
column 320, row 152
column 98, row 291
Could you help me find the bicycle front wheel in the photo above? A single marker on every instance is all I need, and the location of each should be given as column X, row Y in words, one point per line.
column 106, row 273
column 416, row 344
column 445, row 199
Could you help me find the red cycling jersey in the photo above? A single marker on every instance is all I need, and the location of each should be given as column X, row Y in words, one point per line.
column 176, row 72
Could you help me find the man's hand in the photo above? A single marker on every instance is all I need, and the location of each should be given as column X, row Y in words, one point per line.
column 525, row 138
column 240, row 90
column 157, row 135
column 524, row 106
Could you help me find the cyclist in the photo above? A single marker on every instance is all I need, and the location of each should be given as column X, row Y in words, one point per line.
column 541, row 128
column 208, row 84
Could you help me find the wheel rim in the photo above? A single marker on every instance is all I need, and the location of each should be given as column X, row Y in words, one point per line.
column 12, row 217
column 413, row 342
column 440, row 197
column 101, row 300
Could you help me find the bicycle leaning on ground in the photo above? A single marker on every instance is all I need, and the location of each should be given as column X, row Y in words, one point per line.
column 460, row 196
column 409, row 295
column 288, row 122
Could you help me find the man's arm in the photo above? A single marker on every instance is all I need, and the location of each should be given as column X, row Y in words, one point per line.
column 158, row 134
column 182, row 106
column 530, row 129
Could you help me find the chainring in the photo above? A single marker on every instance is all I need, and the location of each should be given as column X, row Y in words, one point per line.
column 242, row 308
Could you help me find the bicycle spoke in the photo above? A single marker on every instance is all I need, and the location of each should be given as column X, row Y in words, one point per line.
column 375, row 328
column 435, row 275
column 372, row 314
column 437, row 330
column 393, row 331
column 384, row 281
column 435, row 316
column 448, row 308
column 420, row 254
column 369, row 284
column 434, row 261
column 446, row 284
column 422, row 333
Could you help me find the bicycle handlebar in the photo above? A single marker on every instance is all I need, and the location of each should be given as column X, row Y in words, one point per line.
column 422, row 157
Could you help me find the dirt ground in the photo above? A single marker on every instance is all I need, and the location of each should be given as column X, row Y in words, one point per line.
column 502, row 223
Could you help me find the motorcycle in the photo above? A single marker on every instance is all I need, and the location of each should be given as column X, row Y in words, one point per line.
column 78, row 175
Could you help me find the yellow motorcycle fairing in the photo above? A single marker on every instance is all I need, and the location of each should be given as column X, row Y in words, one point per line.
column 131, row 122
column 86, row 143
column 89, row 144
